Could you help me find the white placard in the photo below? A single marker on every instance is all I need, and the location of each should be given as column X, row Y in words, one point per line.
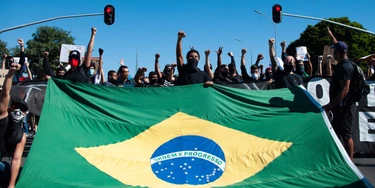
column 17, row 59
column 65, row 50
column 301, row 53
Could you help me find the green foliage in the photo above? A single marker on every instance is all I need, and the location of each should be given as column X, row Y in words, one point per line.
column 49, row 39
column 3, row 48
column 15, row 51
column 315, row 37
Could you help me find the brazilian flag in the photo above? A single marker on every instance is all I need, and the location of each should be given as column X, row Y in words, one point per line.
column 187, row 136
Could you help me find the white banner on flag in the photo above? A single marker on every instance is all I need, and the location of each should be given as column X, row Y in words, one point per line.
column 65, row 50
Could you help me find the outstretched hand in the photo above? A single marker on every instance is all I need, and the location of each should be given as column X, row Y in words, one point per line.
column 219, row 51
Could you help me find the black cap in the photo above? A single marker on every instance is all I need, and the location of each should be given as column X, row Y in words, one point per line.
column 19, row 104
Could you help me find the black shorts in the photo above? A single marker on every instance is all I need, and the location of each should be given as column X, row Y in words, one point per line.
column 343, row 119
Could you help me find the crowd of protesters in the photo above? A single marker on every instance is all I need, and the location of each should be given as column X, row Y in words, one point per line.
column 284, row 72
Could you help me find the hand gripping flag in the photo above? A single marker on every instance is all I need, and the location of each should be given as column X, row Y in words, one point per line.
column 187, row 136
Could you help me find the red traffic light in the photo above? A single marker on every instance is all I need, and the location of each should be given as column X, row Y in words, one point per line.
column 109, row 14
column 108, row 9
column 278, row 8
column 276, row 13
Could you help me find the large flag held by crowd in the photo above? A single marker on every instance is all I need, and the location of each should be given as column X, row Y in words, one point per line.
column 97, row 136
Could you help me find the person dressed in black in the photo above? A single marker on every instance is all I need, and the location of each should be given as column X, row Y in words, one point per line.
column 77, row 72
column 341, row 105
column 12, row 137
column 189, row 73
column 283, row 78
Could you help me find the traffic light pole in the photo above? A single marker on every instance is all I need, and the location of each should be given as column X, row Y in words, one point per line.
column 321, row 19
column 48, row 20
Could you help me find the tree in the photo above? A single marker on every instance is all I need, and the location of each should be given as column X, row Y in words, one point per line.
column 3, row 48
column 15, row 51
column 49, row 39
column 315, row 37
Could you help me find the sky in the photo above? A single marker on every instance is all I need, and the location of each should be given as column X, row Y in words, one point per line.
column 151, row 26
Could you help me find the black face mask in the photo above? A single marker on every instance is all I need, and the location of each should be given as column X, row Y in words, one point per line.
column 192, row 65
column 225, row 74
column 60, row 76
column 300, row 69
column 288, row 68
column 269, row 75
column 153, row 81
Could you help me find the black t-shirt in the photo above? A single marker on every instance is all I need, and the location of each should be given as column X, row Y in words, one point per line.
column 81, row 74
column 186, row 78
column 286, row 80
column 10, row 134
column 343, row 71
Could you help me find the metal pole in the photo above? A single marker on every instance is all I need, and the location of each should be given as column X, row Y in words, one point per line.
column 251, row 51
column 321, row 19
column 50, row 19
column 274, row 25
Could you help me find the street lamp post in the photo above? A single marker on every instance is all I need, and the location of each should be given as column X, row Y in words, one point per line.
column 251, row 51
column 274, row 26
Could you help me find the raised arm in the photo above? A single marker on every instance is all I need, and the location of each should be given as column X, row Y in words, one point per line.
column 259, row 58
column 4, row 61
column 137, row 77
column 245, row 76
column 90, row 46
column 271, row 43
column 100, row 68
column 207, row 64
column 179, row 56
column 309, row 65
column 46, row 66
column 171, row 74
column 5, row 93
column 333, row 39
column 329, row 65
column 28, row 71
column 320, row 61
column 218, row 52
column 283, row 50
column 22, row 55
column 157, row 70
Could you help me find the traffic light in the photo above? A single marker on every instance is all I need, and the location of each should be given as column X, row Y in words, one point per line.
column 109, row 14
column 276, row 13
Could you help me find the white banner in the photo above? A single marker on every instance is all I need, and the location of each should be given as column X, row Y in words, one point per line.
column 17, row 59
column 65, row 50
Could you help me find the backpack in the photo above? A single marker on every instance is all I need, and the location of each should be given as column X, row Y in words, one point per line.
column 358, row 86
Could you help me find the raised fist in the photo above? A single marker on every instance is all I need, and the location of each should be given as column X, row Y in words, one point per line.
column 207, row 52
column 5, row 56
column 15, row 67
column 282, row 44
column 93, row 31
column 230, row 54
column 101, row 51
column 173, row 65
column 271, row 41
column 144, row 69
column 260, row 56
column 45, row 54
column 157, row 56
column 181, row 34
column 243, row 51
column 261, row 67
column 20, row 41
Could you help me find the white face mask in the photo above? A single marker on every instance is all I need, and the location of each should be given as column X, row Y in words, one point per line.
column 255, row 76
column 17, row 115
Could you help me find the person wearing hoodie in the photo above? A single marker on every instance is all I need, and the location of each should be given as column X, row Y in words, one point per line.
column 189, row 73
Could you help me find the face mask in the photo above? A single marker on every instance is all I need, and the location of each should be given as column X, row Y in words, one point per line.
column 225, row 74
column 153, row 81
column 74, row 62
column 17, row 115
column 192, row 65
column 92, row 72
column 269, row 75
column 255, row 76
column 60, row 76
column 301, row 69
column 288, row 68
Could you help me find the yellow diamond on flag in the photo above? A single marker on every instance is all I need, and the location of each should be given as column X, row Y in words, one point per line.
column 184, row 150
